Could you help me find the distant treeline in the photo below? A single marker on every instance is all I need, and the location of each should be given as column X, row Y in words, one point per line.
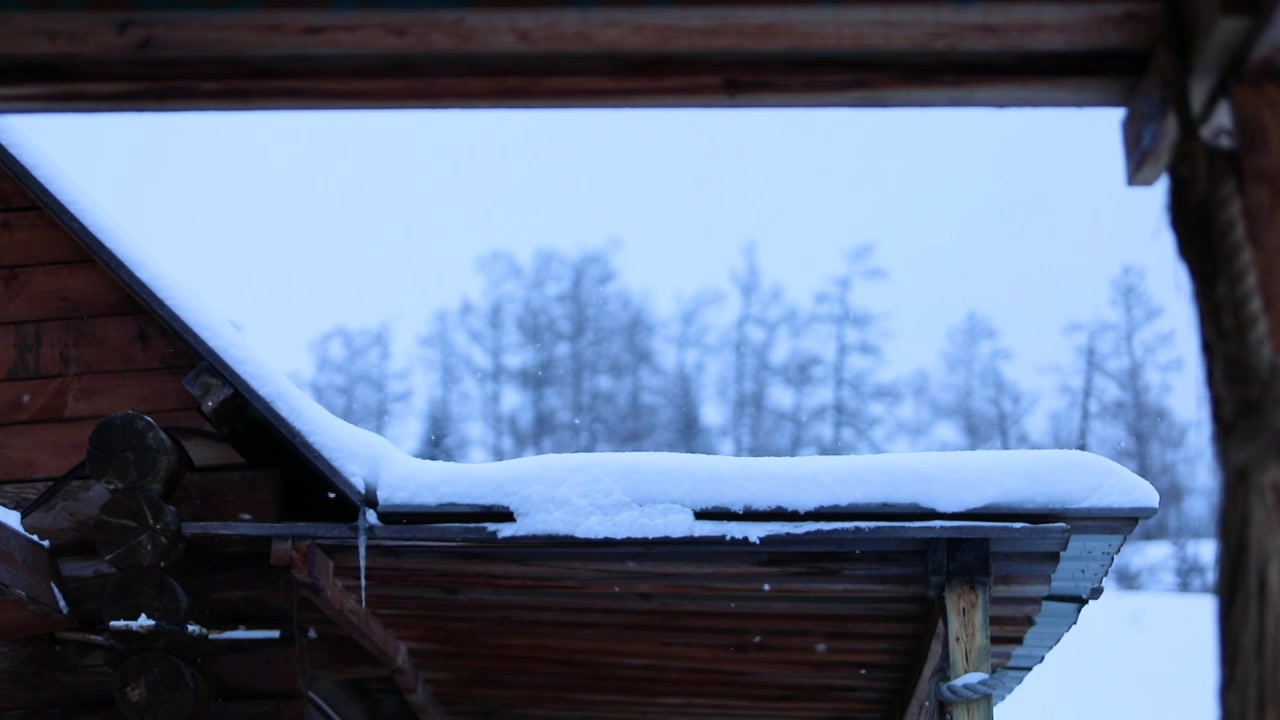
column 556, row 354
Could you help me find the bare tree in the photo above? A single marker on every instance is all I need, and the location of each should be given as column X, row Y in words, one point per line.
column 691, row 343
column 487, row 327
column 861, row 400
column 444, row 437
column 353, row 376
column 974, row 396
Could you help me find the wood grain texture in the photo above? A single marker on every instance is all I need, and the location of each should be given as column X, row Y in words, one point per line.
column 56, row 292
column 79, row 397
column 313, row 571
column 46, row 450
column 969, row 642
column 866, row 27
column 73, row 347
column 33, row 237
column 1017, row 52
column 13, row 196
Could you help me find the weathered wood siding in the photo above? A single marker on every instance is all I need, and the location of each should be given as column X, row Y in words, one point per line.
column 75, row 346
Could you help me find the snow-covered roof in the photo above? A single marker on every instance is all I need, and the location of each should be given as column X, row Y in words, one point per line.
column 607, row 494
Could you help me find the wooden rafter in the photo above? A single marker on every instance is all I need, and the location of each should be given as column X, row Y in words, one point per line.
column 1020, row 52
column 313, row 571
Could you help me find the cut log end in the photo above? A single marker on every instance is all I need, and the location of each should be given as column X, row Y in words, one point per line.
column 136, row 529
column 128, row 450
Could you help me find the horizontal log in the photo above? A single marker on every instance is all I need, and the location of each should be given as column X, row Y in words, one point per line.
column 869, row 27
column 79, row 397
column 39, row 451
column 760, row 564
column 350, row 85
column 846, row 539
column 90, row 345
column 57, row 292
column 33, row 237
column 41, row 673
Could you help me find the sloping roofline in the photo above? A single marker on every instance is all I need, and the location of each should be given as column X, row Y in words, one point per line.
column 293, row 438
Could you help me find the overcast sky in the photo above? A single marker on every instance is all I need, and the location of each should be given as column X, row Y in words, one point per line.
column 293, row 222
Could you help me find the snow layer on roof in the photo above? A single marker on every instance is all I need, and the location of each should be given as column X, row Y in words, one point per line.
column 631, row 494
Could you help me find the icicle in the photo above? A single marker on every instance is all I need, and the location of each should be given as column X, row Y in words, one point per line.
column 362, row 540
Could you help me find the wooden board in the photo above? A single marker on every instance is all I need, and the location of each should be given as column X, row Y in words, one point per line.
column 1019, row 52
column 56, row 292
column 29, row 604
column 47, row 450
column 12, row 195
column 79, row 397
column 541, row 28
column 33, row 237
column 72, row 347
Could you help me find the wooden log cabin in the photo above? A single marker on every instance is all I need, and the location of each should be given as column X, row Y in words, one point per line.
column 183, row 509
column 462, row 623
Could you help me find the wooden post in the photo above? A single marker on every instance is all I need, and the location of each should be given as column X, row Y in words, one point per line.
column 967, row 597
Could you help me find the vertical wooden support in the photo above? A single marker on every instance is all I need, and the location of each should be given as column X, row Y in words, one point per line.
column 967, row 597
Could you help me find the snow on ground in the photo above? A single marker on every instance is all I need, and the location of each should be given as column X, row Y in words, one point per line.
column 625, row 495
column 1134, row 655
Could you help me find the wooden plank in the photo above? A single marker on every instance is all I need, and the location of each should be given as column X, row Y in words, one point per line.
column 13, row 196
column 47, row 450
column 72, row 347
column 846, row 539
column 29, row 600
column 79, row 397
column 313, row 572
column 967, row 606
column 33, row 237
column 868, row 27
column 311, row 84
column 57, row 292
column 1150, row 124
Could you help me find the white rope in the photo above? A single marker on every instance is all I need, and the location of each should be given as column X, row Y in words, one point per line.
column 970, row 686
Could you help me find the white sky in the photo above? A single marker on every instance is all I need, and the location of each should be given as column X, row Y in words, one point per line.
column 293, row 222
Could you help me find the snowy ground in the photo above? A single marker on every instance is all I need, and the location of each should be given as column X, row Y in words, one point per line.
column 1134, row 655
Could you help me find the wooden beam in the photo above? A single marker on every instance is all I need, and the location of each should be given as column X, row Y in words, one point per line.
column 1150, row 124
column 346, row 533
column 923, row 704
column 52, row 348
column 1021, row 52
column 81, row 397
column 29, row 592
column 59, row 292
column 313, row 571
column 967, row 601
column 561, row 28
